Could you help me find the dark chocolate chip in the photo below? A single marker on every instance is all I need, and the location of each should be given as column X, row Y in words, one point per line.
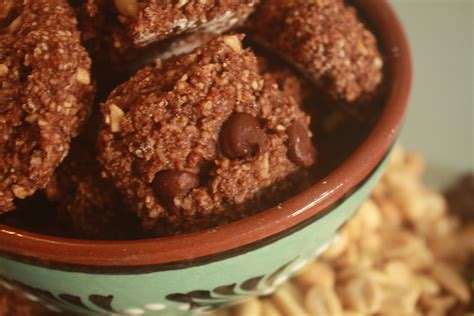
column 242, row 136
column 301, row 150
column 171, row 183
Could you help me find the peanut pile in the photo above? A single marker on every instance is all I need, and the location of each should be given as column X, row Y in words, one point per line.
column 401, row 254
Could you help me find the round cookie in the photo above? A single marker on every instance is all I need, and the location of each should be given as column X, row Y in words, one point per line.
column 45, row 93
column 193, row 141
column 325, row 40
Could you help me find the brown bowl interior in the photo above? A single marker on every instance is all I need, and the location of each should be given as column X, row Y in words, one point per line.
column 15, row 242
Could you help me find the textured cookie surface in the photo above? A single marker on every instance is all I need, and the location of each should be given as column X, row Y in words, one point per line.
column 45, row 93
column 87, row 205
column 325, row 40
column 148, row 21
column 195, row 138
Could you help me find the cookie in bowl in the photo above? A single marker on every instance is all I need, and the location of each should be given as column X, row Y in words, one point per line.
column 88, row 206
column 325, row 40
column 134, row 30
column 192, row 140
column 45, row 93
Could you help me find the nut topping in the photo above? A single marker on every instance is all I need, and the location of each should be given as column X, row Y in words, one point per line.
column 116, row 115
column 233, row 42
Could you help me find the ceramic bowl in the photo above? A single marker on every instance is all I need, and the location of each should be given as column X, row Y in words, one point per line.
column 206, row 269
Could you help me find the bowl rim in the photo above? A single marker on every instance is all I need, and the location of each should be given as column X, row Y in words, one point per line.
column 32, row 247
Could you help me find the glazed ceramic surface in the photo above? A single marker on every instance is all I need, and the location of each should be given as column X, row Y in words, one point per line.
column 188, row 286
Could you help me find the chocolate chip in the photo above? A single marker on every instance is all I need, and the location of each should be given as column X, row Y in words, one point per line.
column 242, row 136
column 300, row 148
column 171, row 183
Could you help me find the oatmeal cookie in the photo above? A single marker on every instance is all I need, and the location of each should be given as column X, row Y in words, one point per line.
column 200, row 135
column 45, row 93
column 325, row 40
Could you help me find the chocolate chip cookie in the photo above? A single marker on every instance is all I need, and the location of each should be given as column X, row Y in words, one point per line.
column 325, row 40
column 196, row 138
column 45, row 93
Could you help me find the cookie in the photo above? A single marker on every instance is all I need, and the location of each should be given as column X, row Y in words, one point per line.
column 149, row 21
column 45, row 93
column 87, row 205
column 197, row 137
column 116, row 58
column 124, row 31
column 325, row 40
